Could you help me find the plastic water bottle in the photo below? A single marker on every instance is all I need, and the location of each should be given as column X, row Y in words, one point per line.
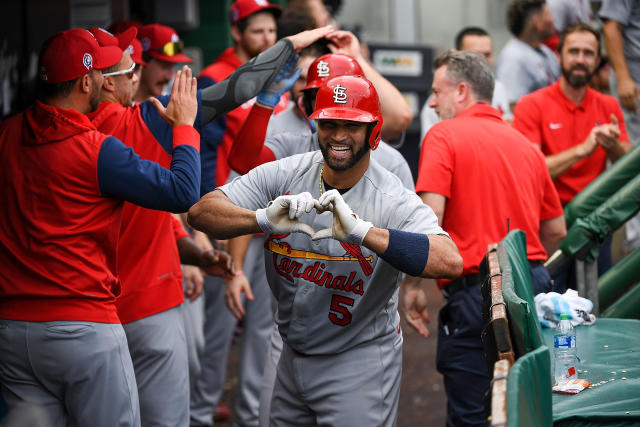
column 565, row 351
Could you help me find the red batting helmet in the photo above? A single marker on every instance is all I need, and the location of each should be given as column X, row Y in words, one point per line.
column 331, row 65
column 350, row 98
column 326, row 67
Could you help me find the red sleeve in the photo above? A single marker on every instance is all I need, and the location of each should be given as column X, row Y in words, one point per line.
column 186, row 135
column 250, row 140
column 435, row 173
column 178, row 230
column 526, row 119
column 551, row 206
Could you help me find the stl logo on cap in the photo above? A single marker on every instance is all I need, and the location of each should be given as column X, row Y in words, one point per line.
column 175, row 38
column 130, row 49
column 262, row 3
column 87, row 61
column 339, row 94
column 323, row 69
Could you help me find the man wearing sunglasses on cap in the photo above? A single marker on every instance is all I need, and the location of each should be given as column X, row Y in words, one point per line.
column 63, row 183
column 151, row 247
column 162, row 51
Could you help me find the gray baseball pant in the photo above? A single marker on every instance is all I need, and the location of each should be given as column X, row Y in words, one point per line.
column 357, row 387
column 79, row 372
column 219, row 328
column 158, row 349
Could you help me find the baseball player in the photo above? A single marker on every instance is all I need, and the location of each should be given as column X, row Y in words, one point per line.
column 279, row 145
column 334, row 273
column 63, row 184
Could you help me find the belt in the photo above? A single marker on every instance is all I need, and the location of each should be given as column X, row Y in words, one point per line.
column 462, row 283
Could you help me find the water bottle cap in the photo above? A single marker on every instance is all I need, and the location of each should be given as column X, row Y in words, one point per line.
column 565, row 316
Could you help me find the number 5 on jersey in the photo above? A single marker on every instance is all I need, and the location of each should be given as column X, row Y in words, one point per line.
column 339, row 311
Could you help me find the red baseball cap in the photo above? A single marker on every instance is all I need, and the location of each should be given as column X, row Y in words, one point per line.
column 125, row 40
column 162, row 42
column 135, row 49
column 243, row 8
column 73, row 53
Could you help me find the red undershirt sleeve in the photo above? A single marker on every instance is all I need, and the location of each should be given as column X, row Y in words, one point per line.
column 248, row 150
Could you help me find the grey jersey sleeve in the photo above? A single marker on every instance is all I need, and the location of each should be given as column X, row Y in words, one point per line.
column 288, row 144
column 255, row 189
column 416, row 217
column 246, row 81
column 393, row 161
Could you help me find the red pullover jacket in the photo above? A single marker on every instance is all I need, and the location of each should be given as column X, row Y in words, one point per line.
column 148, row 259
column 62, row 183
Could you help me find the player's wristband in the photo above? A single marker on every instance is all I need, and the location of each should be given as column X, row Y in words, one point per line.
column 263, row 221
column 408, row 252
column 359, row 231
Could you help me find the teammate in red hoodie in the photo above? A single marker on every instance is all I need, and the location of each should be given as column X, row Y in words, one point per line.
column 62, row 184
column 149, row 305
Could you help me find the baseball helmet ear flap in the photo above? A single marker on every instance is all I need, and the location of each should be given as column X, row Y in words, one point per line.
column 350, row 98
column 374, row 134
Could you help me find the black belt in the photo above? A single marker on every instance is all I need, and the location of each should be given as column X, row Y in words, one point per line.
column 462, row 283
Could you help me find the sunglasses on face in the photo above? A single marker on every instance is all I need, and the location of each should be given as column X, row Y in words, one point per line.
column 128, row 72
column 171, row 48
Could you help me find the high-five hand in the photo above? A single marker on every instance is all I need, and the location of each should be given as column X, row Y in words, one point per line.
column 183, row 104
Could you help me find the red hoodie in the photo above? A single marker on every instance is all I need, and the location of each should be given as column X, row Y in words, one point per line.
column 226, row 64
column 148, row 259
column 61, row 185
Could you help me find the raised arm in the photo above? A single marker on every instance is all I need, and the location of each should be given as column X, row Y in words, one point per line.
column 255, row 75
column 396, row 113
column 122, row 174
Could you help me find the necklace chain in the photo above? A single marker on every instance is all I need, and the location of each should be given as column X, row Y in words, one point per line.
column 320, row 183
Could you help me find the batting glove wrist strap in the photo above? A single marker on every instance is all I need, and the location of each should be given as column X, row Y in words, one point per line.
column 359, row 230
column 263, row 221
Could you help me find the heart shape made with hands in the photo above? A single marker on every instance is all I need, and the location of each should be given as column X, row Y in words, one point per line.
column 284, row 213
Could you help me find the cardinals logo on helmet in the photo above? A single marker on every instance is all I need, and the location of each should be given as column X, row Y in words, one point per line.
column 339, row 94
column 323, row 69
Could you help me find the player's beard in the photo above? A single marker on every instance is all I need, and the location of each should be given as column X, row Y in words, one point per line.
column 577, row 80
column 341, row 165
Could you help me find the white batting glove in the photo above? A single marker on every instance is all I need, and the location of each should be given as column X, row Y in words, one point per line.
column 282, row 214
column 347, row 226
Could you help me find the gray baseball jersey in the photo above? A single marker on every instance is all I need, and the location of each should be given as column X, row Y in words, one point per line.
column 524, row 69
column 289, row 121
column 287, row 144
column 332, row 296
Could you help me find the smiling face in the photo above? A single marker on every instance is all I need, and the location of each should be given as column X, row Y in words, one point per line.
column 342, row 142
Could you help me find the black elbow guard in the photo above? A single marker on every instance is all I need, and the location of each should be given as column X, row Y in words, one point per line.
column 246, row 82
